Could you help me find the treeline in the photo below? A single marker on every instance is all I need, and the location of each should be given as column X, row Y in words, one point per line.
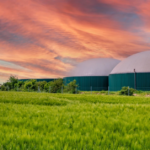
column 55, row 86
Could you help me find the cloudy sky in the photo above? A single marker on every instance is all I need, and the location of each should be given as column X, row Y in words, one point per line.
column 46, row 38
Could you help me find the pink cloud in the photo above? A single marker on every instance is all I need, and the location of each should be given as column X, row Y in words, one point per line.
column 49, row 37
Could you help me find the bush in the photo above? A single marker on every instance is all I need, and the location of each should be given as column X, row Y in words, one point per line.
column 71, row 87
column 125, row 90
column 3, row 88
column 8, row 85
column 28, row 85
column 18, row 85
column 41, row 84
column 56, row 85
column 47, row 87
column 139, row 91
column 31, row 85
column 104, row 92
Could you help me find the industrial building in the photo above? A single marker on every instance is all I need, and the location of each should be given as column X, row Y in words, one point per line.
column 92, row 74
column 134, row 72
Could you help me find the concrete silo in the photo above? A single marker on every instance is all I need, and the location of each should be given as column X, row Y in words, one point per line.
column 92, row 73
column 134, row 72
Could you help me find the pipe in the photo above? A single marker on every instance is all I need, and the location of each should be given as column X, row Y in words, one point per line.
column 134, row 79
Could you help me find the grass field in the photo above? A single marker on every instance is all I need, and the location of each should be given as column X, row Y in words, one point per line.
column 43, row 121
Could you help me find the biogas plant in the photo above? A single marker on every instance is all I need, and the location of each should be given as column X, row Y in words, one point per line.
column 111, row 74
column 92, row 74
column 104, row 73
column 133, row 71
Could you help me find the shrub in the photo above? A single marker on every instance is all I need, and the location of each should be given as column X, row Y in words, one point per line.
column 27, row 85
column 41, row 84
column 55, row 86
column 126, row 91
column 104, row 92
column 47, row 87
column 3, row 88
column 18, row 85
column 8, row 85
column 139, row 91
column 31, row 85
column 71, row 87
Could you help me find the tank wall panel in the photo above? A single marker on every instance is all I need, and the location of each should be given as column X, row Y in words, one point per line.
column 139, row 80
column 98, row 83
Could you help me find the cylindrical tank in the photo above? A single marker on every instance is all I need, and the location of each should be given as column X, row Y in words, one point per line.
column 92, row 74
column 133, row 71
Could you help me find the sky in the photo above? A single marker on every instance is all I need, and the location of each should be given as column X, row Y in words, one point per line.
column 47, row 38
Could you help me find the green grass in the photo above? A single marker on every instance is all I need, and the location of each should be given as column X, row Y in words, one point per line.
column 43, row 121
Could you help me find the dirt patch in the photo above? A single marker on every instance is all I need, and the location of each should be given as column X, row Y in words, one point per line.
column 82, row 93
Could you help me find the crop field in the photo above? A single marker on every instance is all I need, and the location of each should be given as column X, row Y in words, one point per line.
column 43, row 121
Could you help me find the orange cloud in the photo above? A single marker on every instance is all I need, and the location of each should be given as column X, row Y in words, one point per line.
column 48, row 38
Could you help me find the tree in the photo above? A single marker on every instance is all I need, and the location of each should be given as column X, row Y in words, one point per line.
column 13, row 80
